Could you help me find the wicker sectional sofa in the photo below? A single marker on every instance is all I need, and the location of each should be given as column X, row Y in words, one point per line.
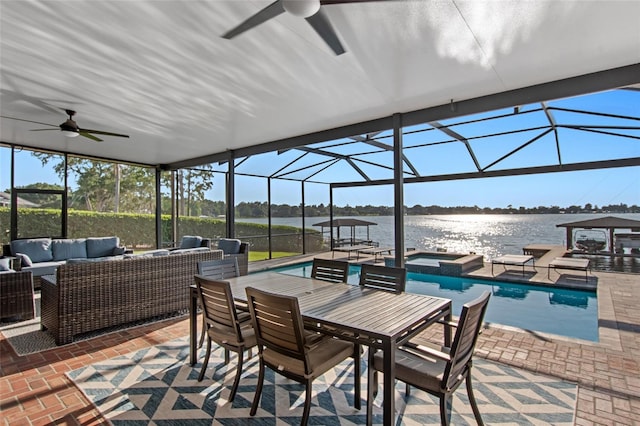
column 91, row 296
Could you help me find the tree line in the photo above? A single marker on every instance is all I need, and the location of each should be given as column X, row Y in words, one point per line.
column 111, row 187
column 258, row 209
column 144, row 203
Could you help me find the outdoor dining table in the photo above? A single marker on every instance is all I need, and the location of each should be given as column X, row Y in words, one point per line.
column 376, row 318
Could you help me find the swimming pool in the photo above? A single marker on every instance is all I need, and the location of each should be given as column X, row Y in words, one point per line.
column 570, row 313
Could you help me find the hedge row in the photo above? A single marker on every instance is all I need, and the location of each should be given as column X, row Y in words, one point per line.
column 138, row 230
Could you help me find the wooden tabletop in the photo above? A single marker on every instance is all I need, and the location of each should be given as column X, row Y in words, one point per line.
column 375, row 313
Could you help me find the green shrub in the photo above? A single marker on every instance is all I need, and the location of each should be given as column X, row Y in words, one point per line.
column 138, row 230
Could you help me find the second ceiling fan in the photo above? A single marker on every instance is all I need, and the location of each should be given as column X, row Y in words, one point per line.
column 308, row 9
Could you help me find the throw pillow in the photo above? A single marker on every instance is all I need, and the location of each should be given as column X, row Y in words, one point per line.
column 102, row 247
column 229, row 245
column 190, row 241
column 4, row 264
column 25, row 260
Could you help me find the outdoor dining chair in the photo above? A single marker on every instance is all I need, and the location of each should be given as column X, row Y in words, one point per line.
column 230, row 329
column 437, row 371
column 383, row 277
column 291, row 351
column 335, row 271
column 218, row 269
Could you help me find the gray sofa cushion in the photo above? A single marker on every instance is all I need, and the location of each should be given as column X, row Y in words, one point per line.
column 43, row 268
column 189, row 250
column 150, row 253
column 69, row 248
column 102, row 247
column 229, row 245
column 190, row 241
column 93, row 259
column 38, row 249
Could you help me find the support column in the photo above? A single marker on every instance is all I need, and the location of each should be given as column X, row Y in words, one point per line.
column 159, row 209
column 231, row 199
column 304, row 234
column 398, row 190
column 269, row 234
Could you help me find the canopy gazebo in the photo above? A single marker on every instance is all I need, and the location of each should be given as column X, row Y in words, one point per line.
column 609, row 223
column 352, row 224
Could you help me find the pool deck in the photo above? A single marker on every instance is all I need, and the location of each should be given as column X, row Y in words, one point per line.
column 34, row 389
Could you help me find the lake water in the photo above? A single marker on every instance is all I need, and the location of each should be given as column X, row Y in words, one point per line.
column 490, row 235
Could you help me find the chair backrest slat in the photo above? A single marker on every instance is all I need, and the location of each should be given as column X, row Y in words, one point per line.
column 219, row 269
column 335, row 271
column 218, row 305
column 278, row 323
column 465, row 339
column 383, row 277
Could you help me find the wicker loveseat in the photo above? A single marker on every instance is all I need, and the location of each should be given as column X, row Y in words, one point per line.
column 91, row 296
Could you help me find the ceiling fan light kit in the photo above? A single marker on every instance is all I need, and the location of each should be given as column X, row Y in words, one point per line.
column 301, row 8
column 70, row 133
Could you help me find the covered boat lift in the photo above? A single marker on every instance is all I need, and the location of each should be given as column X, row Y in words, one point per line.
column 609, row 223
column 352, row 224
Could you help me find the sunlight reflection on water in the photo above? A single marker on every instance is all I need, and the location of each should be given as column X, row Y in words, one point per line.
column 490, row 235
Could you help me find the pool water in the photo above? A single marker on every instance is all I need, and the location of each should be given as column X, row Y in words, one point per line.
column 570, row 313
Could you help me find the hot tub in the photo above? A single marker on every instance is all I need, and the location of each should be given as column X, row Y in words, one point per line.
column 439, row 263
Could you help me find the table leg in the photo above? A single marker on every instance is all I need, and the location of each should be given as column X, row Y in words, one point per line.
column 389, row 402
column 193, row 332
column 447, row 328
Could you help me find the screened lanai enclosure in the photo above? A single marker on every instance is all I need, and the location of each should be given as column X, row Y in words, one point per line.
column 582, row 133
column 179, row 130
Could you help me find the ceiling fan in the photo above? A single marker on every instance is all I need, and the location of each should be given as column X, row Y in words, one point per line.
column 308, row 9
column 71, row 129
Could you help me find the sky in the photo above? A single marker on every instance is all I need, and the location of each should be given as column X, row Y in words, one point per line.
column 597, row 187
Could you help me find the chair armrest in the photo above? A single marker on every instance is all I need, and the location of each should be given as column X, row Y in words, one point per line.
column 425, row 351
column 449, row 323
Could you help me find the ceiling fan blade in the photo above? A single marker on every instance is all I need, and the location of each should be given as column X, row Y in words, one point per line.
column 323, row 27
column 29, row 121
column 90, row 136
column 100, row 132
column 41, row 130
column 325, row 2
column 271, row 11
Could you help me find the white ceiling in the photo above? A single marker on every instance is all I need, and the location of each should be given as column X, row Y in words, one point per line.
column 160, row 72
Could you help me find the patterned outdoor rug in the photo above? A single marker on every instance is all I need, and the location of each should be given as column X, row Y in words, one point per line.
column 156, row 386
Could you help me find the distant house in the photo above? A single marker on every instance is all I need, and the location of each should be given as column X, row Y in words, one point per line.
column 5, row 201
